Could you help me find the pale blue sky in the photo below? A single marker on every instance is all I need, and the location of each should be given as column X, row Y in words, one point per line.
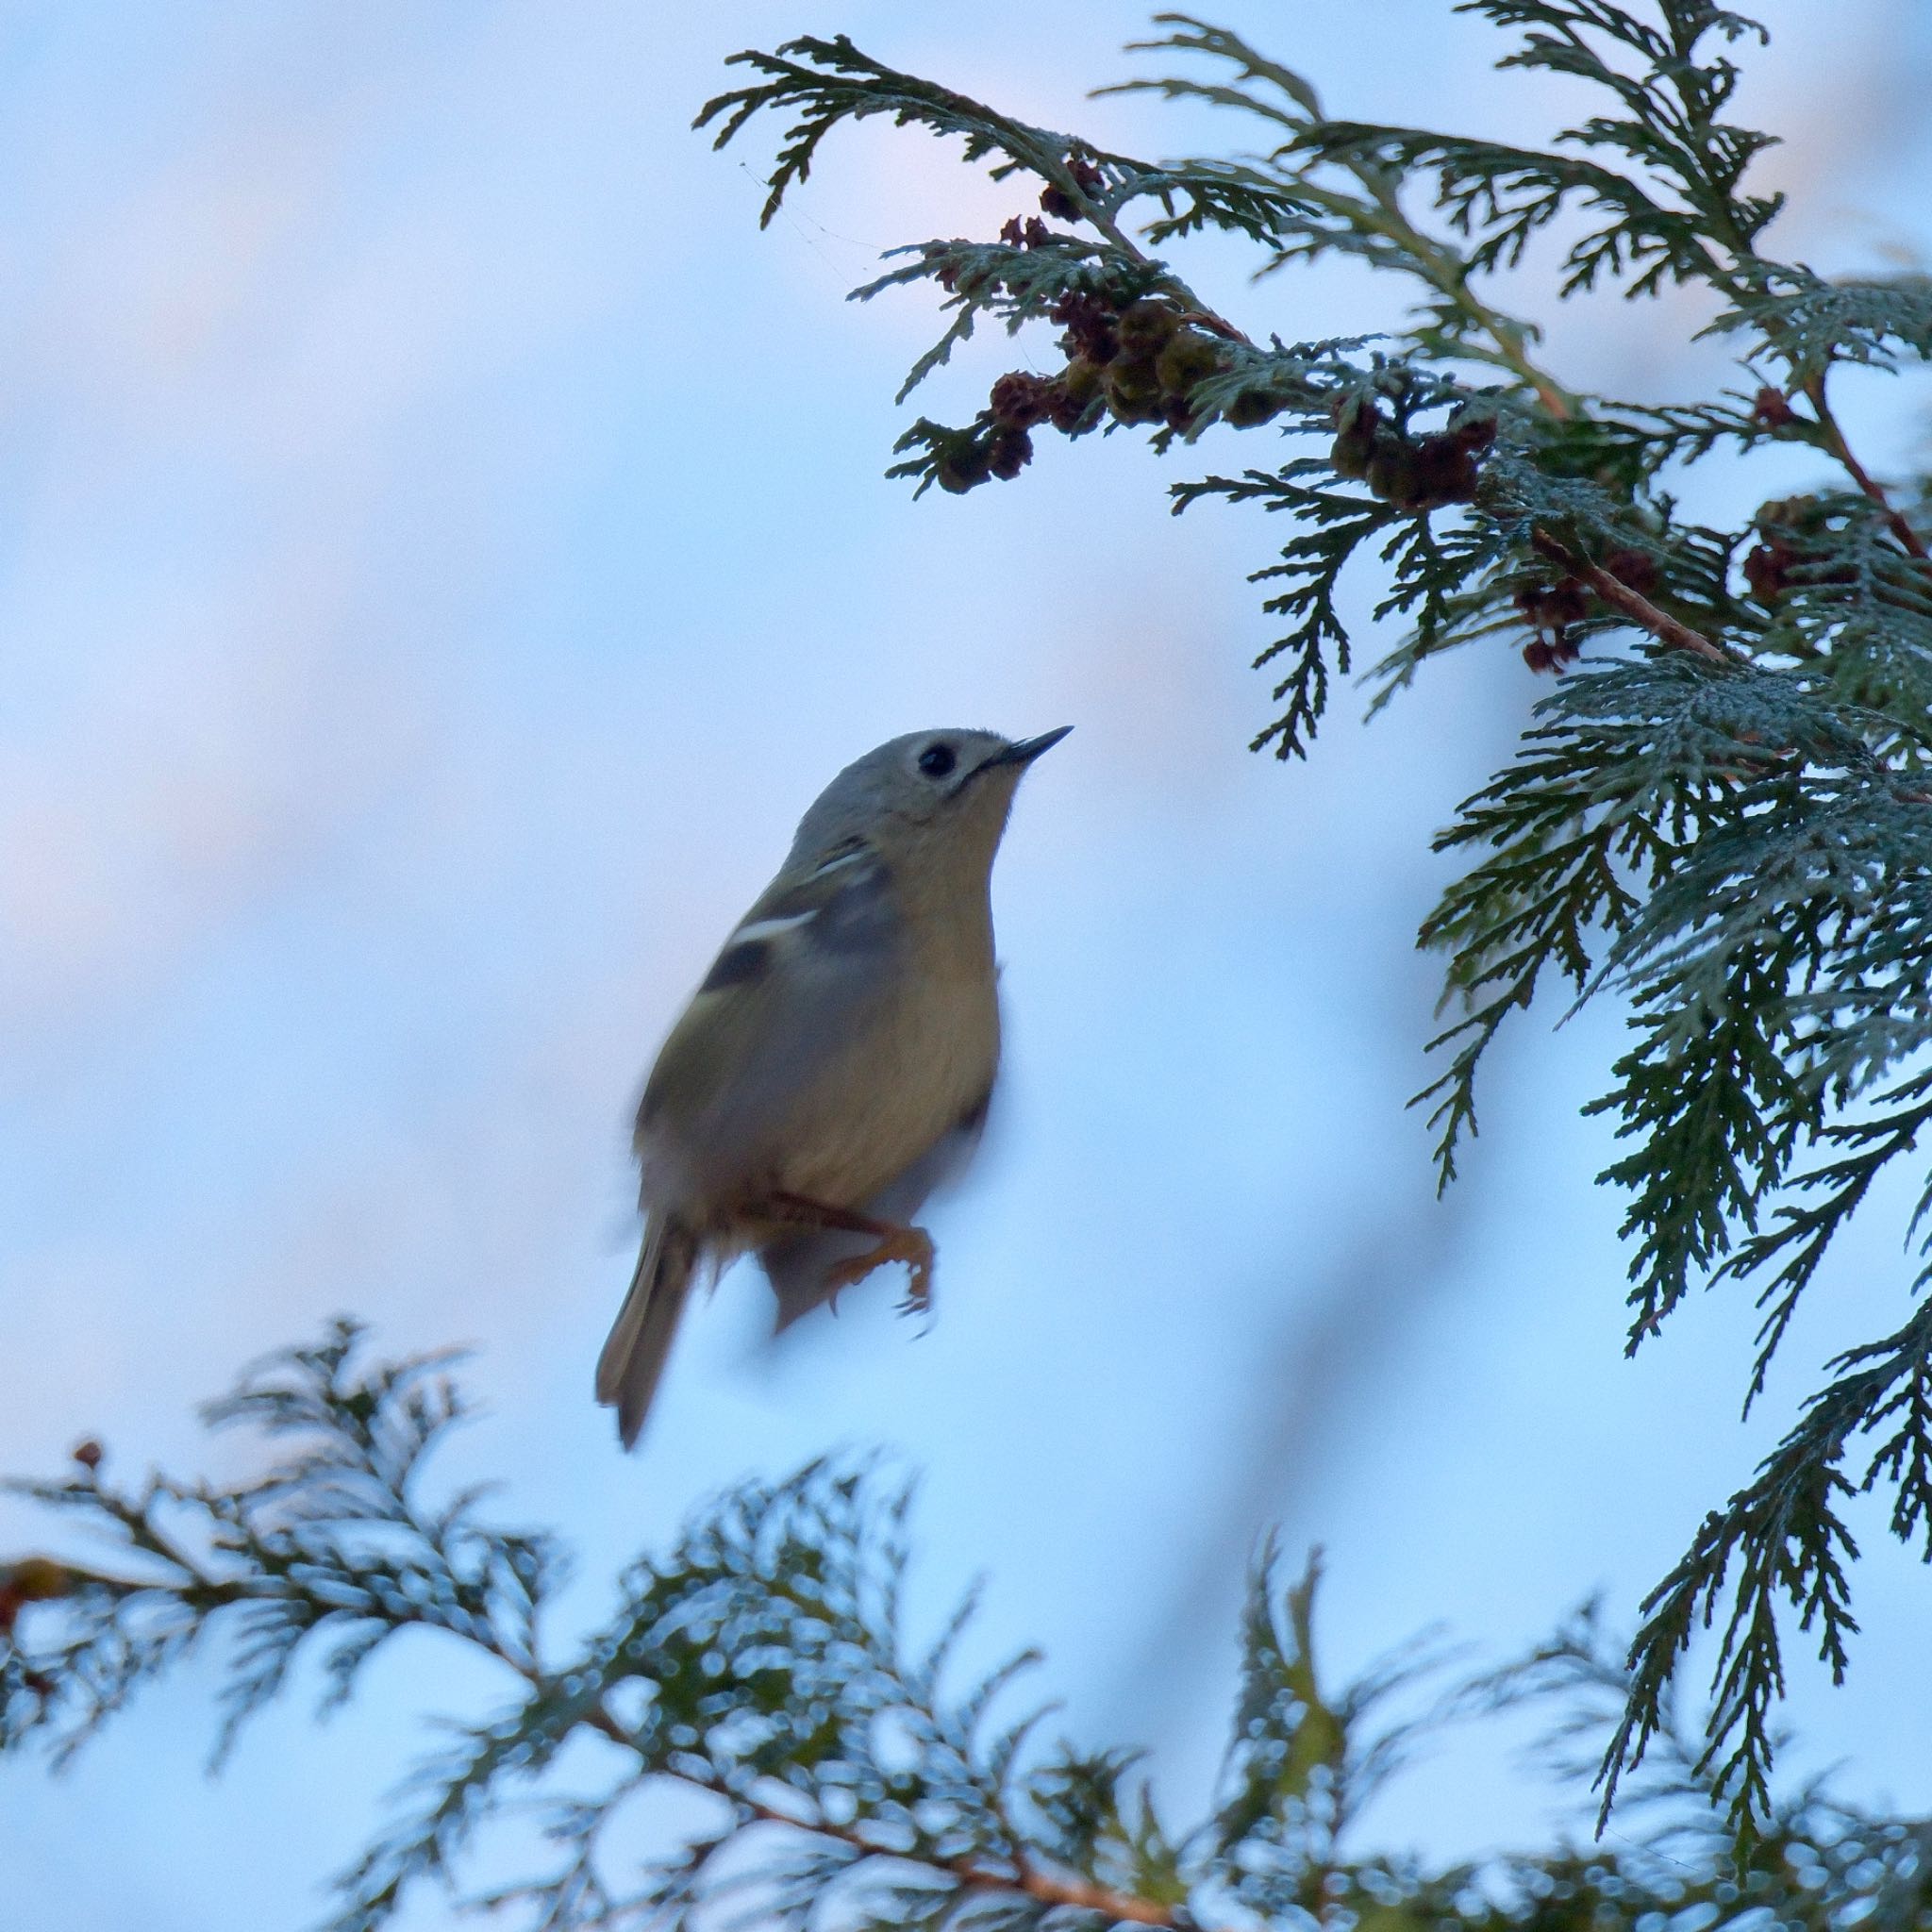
column 444, row 548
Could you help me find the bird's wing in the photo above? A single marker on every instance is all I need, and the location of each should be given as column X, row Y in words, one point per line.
column 785, row 999
column 797, row 1265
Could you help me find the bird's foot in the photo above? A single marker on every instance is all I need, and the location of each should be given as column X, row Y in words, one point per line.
column 911, row 1246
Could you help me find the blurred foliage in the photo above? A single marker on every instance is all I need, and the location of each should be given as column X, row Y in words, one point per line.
column 1723, row 812
column 852, row 1778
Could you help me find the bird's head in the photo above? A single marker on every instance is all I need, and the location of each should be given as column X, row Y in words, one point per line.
column 930, row 799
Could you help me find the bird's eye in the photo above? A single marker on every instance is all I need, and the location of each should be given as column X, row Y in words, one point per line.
column 936, row 761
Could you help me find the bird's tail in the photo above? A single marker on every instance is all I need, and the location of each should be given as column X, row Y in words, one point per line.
column 634, row 1358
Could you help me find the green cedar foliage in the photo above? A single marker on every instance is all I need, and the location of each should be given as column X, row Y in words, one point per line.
column 852, row 1774
column 1722, row 813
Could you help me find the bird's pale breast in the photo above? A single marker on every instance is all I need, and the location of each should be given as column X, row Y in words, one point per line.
column 876, row 1107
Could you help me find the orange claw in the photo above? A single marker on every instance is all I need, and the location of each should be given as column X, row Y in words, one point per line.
column 911, row 1246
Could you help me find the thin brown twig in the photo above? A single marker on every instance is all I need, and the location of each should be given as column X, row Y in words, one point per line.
column 1633, row 604
column 1048, row 1887
column 1835, row 441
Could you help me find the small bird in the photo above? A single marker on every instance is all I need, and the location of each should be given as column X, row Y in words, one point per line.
column 837, row 1062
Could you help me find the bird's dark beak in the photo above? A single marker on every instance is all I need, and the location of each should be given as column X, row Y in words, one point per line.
column 1027, row 749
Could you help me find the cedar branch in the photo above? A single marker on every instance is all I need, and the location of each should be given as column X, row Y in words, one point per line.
column 1633, row 604
column 1048, row 1887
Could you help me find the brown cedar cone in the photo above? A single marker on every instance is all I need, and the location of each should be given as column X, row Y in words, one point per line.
column 1440, row 470
column 1020, row 400
column 32, row 1580
column 1132, row 394
column 1771, row 408
column 1075, row 397
column 1784, row 556
column 1060, row 204
column 1794, row 512
column 1767, row 568
column 1081, row 378
column 1474, row 425
column 1009, row 453
column 1191, row 357
column 947, row 277
column 1550, row 653
column 1391, row 469
column 1251, row 408
column 1071, row 417
column 1089, row 325
column 964, row 466
column 1146, row 326
column 1131, row 386
column 1032, row 233
column 1356, row 423
column 88, row 1453
column 1635, row 568
column 1550, row 606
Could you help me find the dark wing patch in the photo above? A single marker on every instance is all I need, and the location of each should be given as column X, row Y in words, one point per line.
column 737, row 965
column 842, row 908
